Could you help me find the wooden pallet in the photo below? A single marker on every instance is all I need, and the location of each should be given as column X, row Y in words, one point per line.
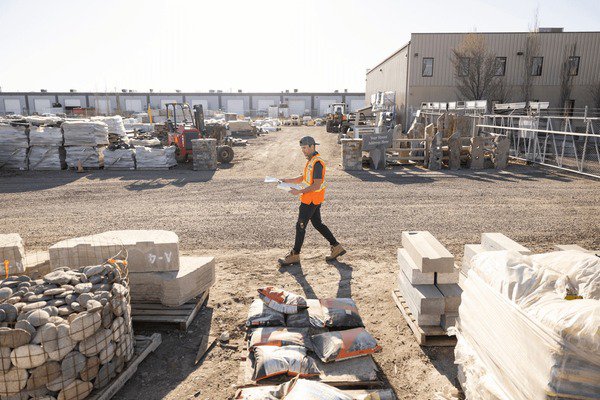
column 144, row 345
column 159, row 314
column 425, row 335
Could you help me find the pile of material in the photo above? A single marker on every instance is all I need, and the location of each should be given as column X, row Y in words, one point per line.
column 13, row 147
column 86, row 156
column 528, row 326
column 115, row 125
column 85, row 133
column 119, row 158
column 65, row 334
column 46, row 152
column 428, row 280
column 156, row 271
column 151, row 158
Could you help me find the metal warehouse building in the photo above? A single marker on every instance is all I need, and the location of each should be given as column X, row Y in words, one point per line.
column 422, row 70
column 248, row 104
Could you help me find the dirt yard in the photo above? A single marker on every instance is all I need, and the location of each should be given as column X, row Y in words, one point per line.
column 247, row 224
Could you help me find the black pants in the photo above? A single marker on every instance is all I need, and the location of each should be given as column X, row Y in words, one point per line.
column 312, row 213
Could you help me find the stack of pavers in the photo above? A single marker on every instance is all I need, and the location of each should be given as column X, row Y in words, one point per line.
column 204, row 152
column 34, row 264
column 84, row 143
column 428, row 281
column 65, row 334
column 119, row 154
column 156, row 271
column 155, row 158
column 47, row 151
column 13, row 147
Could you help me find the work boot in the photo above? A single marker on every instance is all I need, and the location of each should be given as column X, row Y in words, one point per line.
column 336, row 251
column 291, row 258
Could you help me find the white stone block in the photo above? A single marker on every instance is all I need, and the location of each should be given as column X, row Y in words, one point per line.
column 498, row 241
column 424, row 301
column 428, row 254
column 414, row 275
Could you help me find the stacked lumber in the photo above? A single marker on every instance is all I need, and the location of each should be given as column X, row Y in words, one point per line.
column 428, row 280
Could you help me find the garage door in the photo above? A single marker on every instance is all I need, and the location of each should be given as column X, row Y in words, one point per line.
column 42, row 106
column 12, row 106
column 324, row 106
column 235, row 106
column 166, row 101
column 356, row 104
column 134, row 105
column 103, row 106
column 263, row 105
column 203, row 102
column 72, row 102
column 297, row 107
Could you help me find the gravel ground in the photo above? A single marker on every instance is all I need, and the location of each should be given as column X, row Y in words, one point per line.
column 247, row 224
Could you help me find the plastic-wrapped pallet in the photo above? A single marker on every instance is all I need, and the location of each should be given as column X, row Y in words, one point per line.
column 115, row 124
column 519, row 336
column 90, row 157
column 47, row 158
column 13, row 147
column 119, row 159
column 46, row 136
column 85, row 133
column 155, row 158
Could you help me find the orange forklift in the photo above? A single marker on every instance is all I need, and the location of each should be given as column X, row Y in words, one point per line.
column 181, row 134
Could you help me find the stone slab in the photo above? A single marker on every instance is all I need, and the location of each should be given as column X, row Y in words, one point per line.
column 428, row 254
column 498, row 241
column 471, row 250
column 565, row 247
column 174, row 288
column 147, row 250
column 448, row 321
column 12, row 250
column 451, row 293
column 410, row 270
column 425, row 301
column 447, row 277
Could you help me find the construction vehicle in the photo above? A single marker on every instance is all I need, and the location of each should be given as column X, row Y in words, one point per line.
column 336, row 119
column 181, row 134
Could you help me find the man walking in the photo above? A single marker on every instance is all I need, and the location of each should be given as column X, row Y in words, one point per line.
column 311, row 197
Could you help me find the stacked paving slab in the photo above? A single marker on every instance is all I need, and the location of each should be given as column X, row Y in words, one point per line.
column 204, row 152
column 351, row 154
column 13, row 147
column 84, row 143
column 428, row 280
column 46, row 152
column 157, row 273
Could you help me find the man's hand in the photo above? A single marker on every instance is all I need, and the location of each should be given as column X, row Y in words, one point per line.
column 295, row 192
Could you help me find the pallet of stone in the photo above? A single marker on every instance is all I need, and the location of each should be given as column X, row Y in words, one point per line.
column 159, row 315
column 144, row 345
column 380, row 394
column 425, row 335
column 12, row 253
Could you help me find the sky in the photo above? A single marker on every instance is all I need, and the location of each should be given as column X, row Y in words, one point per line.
column 231, row 45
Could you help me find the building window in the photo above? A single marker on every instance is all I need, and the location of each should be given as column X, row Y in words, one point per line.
column 536, row 66
column 463, row 66
column 500, row 66
column 573, row 66
column 427, row 67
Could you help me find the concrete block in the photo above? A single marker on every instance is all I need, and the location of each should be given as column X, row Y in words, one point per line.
column 37, row 264
column 426, row 302
column 565, row 247
column 476, row 153
column 448, row 321
column 204, row 153
column 451, row 293
column 147, row 250
column 447, row 277
column 471, row 250
column 174, row 288
column 351, row 154
column 12, row 250
column 428, row 254
column 500, row 156
column 498, row 241
column 410, row 270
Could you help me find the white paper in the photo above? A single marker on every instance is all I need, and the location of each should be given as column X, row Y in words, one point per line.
column 289, row 186
column 271, row 179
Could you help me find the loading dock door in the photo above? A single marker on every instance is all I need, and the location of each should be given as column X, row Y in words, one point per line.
column 263, row 105
column 134, row 105
column 72, row 102
column 203, row 102
column 356, row 104
column 235, row 106
column 324, row 106
column 12, row 106
column 297, row 107
column 42, row 105
column 103, row 106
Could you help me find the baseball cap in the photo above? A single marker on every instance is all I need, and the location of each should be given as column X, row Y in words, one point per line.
column 307, row 141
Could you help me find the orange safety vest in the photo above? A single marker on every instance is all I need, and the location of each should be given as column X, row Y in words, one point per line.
column 318, row 195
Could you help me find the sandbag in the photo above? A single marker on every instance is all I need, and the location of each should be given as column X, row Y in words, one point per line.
column 341, row 313
column 261, row 315
column 311, row 317
column 280, row 337
column 291, row 360
column 341, row 345
column 281, row 300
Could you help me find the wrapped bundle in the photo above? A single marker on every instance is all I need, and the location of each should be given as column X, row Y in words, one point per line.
column 46, row 136
column 115, row 124
column 85, row 133
column 47, row 158
column 13, row 136
column 90, row 157
column 155, row 158
column 119, row 159
column 13, row 157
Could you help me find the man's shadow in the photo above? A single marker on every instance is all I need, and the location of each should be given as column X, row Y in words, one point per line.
column 344, row 286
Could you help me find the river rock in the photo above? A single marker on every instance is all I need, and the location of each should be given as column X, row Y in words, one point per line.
column 76, row 306
column 5, row 293
column 5, row 363
column 119, row 290
column 11, row 312
column 59, row 383
column 43, row 374
column 26, row 326
column 107, row 316
column 105, row 374
column 14, row 300
column 56, row 302
column 63, row 345
column 58, row 320
column 51, row 310
column 93, row 306
column 59, row 277
column 14, row 337
column 84, row 298
column 78, row 390
column 107, row 354
column 64, row 311
column 85, row 325
column 28, row 356
column 91, row 368
column 12, row 381
column 38, row 318
column 96, row 343
column 96, row 279
column 118, row 305
column 83, row 288
column 45, row 333
column 54, row 292
column 33, row 306
column 73, row 364
column 118, row 328
column 94, row 270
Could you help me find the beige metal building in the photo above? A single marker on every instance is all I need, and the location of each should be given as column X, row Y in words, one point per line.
column 423, row 71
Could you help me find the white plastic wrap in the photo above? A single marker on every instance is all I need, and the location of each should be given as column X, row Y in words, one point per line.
column 13, row 136
column 90, row 157
column 47, row 158
column 530, row 340
column 85, row 133
column 119, row 159
column 13, row 157
column 155, row 158
column 46, row 136
column 115, row 124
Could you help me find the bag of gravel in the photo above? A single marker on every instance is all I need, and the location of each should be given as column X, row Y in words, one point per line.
column 341, row 345
column 281, row 300
column 261, row 315
column 291, row 360
column 279, row 337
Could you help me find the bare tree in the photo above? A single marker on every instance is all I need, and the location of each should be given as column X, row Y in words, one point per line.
column 566, row 74
column 532, row 49
column 595, row 94
column 476, row 70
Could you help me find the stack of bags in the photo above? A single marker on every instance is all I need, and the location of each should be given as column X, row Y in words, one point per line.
column 155, row 157
column 529, row 325
column 287, row 332
column 47, row 151
column 84, row 143
column 13, row 147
